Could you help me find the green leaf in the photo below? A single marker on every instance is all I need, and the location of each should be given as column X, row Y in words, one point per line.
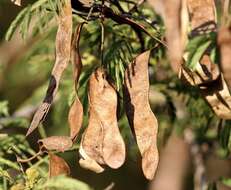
column 63, row 183
column 226, row 181
column 17, row 21
column 224, row 136
column 194, row 59
column 197, row 46
column 4, row 173
column 4, row 108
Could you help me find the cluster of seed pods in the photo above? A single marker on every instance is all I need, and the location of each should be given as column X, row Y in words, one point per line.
column 101, row 143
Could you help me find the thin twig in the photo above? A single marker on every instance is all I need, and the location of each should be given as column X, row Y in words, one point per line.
column 102, row 42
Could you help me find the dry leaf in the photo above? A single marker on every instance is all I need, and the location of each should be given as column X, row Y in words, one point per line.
column 16, row 2
column 102, row 141
column 139, row 113
column 57, row 166
column 58, row 143
column 75, row 116
column 63, row 46
column 224, row 40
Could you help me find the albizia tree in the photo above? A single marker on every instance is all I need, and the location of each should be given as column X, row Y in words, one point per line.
column 107, row 71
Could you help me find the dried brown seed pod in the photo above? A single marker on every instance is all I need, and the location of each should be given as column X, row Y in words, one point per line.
column 89, row 163
column 57, row 166
column 75, row 116
column 102, row 140
column 139, row 113
column 175, row 19
column 224, row 41
column 58, row 143
column 203, row 15
column 211, row 84
column 63, row 48
column 207, row 75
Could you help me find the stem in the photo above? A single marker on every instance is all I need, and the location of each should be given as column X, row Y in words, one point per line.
column 90, row 12
column 102, row 42
column 29, row 159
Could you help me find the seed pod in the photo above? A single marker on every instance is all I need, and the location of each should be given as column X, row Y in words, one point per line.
column 89, row 163
column 57, row 166
column 207, row 75
column 176, row 26
column 58, row 143
column 211, row 84
column 224, row 41
column 102, row 140
column 139, row 113
column 75, row 116
column 203, row 15
column 63, row 46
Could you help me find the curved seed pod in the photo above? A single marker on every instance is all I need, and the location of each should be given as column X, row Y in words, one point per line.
column 139, row 113
column 75, row 116
column 103, row 127
column 59, row 143
column 224, row 40
column 63, row 46
column 57, row 166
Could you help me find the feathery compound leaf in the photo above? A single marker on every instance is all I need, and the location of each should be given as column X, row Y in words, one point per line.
column 63, row 183
column 16, row 23
column 139, row 113
column 22, row 21
column 63, row 46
